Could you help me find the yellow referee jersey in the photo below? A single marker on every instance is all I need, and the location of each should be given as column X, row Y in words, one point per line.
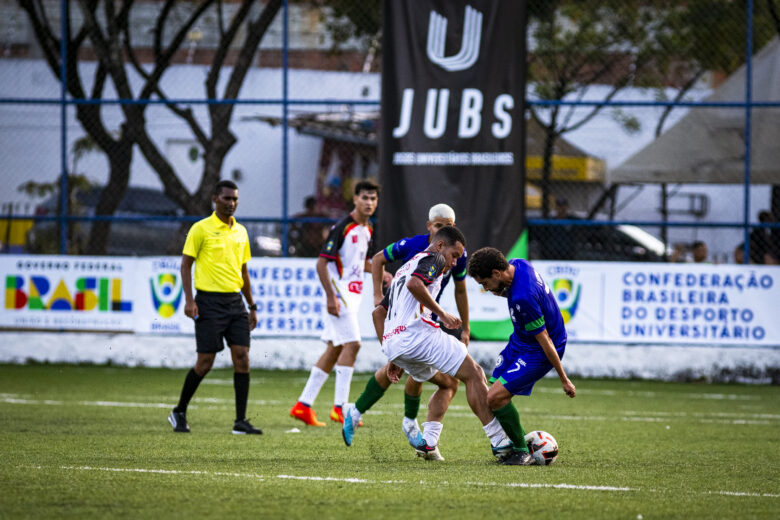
column 219, row 251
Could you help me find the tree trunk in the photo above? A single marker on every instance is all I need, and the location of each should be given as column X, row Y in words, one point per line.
column 119, row 158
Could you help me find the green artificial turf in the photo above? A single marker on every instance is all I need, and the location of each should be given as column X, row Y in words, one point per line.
column 93, row 441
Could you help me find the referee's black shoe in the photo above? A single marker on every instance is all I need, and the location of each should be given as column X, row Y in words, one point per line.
column 179, row 422
column 243, row 427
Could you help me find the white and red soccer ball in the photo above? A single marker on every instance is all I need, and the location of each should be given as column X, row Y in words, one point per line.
column 543, row 447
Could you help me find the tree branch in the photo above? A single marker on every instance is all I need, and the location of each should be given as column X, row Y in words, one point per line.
column 254, row 35
column 163, row 61
column 158, row 27
column 224, row 46
column 684, row 90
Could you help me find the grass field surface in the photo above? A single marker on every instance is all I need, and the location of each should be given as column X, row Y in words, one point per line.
column 93, row 441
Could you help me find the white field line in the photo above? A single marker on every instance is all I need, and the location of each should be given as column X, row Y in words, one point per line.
column 679, row 395
column 352, row 480
column 630, row 415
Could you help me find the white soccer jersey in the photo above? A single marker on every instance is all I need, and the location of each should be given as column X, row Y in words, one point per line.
column 403, row 309
column 347, row 247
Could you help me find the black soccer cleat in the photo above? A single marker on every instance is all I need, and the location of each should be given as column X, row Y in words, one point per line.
column 179, row 422
column 243, row 427
column 519, row 458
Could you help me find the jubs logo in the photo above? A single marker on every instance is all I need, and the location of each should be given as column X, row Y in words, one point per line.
column 469, row 48
column 166, row 293
column 567, row 293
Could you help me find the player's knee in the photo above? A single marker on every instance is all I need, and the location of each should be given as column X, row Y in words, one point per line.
column 412, row 387
column 496, row 399
column 202, row 367
column 452, row 385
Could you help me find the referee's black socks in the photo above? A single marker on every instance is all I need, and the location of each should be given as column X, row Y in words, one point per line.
column 191, row 383
column 241, row 387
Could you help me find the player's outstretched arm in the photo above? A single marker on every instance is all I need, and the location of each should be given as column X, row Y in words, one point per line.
column 378, row 315
column 378, row 262
column 421, row 294
column 462, row 303
column 549, row 350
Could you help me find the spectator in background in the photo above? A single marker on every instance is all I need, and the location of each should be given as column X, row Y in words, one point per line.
column 739, row 253
column 763, row 250
column 699, row 252
column 306, row 238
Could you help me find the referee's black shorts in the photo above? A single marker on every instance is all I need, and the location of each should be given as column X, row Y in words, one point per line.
column 220, row 315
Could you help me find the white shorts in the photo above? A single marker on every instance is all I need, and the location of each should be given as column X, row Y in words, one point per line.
column 343, row 329
column 422, row 350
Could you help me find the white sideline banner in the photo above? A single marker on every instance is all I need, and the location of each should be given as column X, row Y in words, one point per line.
column 145, row 295
column 600, row 301
column 654, row 302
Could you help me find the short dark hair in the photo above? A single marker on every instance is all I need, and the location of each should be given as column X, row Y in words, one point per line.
column 483, row 261
column 366, row 186
column 310, row 202
column 450, row 235
column 764, row 216
column 224, row 184
column 698, row 243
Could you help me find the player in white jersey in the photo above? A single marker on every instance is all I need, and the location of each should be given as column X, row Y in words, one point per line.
column 342, row 262
column 416, row 344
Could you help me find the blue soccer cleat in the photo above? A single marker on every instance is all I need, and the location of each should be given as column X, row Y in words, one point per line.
column 351, row 421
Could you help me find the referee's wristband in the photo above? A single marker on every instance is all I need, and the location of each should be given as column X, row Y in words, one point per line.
column 253, row 307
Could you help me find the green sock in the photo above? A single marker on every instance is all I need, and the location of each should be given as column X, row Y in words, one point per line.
column 411, row 405
column 372, row 393
column 510, row 422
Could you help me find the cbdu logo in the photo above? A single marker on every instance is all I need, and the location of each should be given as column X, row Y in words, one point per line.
column 567, row 293
column 166, row 293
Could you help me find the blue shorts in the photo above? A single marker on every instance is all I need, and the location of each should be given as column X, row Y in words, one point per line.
column 518, row 368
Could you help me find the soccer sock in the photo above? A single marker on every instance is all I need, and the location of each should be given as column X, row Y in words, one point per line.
column 371, row 394
column 510, row 422
column 343, row 381
column 241, row 387
column 191, row 383
column 431, row 432
column 411, row 406
column 496, row 433
column 317, row 378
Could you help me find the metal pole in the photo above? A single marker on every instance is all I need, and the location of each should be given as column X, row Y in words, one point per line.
column 63, row 126
column 285, row 138
column 748, row 113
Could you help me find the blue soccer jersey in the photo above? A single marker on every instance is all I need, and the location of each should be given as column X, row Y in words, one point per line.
column 533, row 308
column 406, row 248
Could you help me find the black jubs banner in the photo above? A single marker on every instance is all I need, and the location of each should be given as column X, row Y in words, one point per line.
column 453, row 90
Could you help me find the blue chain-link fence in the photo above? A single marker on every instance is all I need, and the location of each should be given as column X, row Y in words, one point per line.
column 650, row 128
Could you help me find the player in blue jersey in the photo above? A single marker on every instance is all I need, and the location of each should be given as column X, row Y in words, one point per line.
column 535, row 347
column 439, row 216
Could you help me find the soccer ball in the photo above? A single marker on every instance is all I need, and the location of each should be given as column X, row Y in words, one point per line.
column 543, row 447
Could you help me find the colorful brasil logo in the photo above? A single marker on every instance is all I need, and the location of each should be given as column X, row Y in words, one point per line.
column 166, row 293
column 89, row 294
column 568, row 295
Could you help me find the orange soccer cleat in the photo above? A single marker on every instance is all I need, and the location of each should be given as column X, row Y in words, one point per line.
column 337, row 415
column 304, row 413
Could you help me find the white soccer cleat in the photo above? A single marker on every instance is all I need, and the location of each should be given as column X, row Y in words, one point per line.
column 428, row 452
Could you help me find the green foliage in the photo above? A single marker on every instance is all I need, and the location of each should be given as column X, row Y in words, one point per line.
column 91, row 441
column 348, row 19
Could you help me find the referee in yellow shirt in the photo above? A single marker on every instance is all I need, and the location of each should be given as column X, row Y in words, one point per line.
column 219, row 247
